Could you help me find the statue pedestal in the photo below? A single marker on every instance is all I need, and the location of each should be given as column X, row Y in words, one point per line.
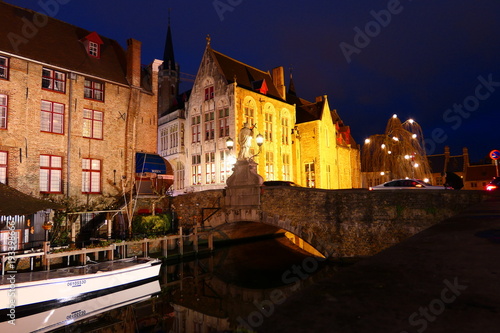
column 243, row 186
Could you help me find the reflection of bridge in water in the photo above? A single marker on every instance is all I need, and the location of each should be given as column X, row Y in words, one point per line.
column 238, row 286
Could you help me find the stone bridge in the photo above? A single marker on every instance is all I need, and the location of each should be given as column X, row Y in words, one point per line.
column 337, row 223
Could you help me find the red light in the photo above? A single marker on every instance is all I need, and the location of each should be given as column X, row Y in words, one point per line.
column 491, row 187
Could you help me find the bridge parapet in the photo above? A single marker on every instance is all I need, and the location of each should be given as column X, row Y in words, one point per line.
column 338, row 223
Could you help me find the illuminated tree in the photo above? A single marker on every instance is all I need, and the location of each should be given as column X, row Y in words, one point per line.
column 399, row 153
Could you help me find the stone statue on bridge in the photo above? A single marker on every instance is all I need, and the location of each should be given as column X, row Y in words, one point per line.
column 245, row 140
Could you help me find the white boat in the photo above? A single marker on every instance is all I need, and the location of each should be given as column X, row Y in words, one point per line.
column 27, row 293
column 50, row 319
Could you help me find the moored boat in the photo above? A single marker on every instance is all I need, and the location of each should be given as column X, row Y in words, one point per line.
column 27, row 293
column 55, row 317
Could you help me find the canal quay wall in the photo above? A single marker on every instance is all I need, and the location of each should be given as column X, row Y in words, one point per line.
column 338, row 223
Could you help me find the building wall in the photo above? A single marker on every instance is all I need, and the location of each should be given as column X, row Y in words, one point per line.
column 197, row 107
column 335, row 166
column 287, row 147
column 127, row 111
column 275, row 146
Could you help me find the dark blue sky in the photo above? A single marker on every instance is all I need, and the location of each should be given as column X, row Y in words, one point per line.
column 434, row 61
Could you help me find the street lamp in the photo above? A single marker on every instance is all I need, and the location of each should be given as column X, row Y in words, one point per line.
column 230, row 144
column 259, row 139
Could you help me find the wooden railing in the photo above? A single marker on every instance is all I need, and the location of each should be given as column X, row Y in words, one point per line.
column 178, row 241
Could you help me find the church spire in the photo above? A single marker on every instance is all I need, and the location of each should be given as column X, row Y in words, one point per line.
column 168, row 54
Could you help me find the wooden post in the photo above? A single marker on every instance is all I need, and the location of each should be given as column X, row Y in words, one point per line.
column 111, row 253
column 195, row 240
column 110, row 225
column 46, row 249
column 211, row 241
column 164, row 247
column 181, row 242
column 145, row 247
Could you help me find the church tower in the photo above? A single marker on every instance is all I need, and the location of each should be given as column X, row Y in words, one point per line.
column 169, row 77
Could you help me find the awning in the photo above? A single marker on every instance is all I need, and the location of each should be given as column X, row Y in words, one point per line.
column 14, row 202
column 152, row 163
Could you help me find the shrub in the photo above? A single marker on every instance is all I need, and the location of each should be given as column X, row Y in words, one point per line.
column 151, row 224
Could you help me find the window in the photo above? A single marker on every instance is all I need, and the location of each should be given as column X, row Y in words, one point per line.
column 179, row 176
column 269, row 166
column 174, row 136
column 268, row 127
column 286, row 167
column 225, row 165
column 92, row 124
column 52, row 117
column 163, row 140
column 209, row 93
column 196, row 169
column 285, row 131
column 94, row 90
column 53, row 80
column 209, row 126
column 4, row 68
column 3, row 167
column 310, row 175
column 195, row 128
column 249, row 115
column 94, row 49
column 91, row 175
column 3, row 111
column 210, row 168
column 50, row 174
column 224, row 122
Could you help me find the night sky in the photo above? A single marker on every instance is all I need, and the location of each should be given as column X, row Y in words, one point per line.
column 434, row 61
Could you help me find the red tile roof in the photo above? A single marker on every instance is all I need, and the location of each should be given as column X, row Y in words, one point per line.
column 51, row 41
column 245, row 75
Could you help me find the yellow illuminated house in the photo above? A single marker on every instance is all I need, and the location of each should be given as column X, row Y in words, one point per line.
column 304, row 142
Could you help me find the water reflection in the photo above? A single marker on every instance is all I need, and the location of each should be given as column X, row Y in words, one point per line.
column 235, row 289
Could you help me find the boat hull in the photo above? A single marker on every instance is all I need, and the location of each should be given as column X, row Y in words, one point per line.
column 64, row 285
column 58, row 316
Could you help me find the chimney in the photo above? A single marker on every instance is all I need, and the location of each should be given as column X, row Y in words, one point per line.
column 466, row 157
column 134, row 62
column 278, row 75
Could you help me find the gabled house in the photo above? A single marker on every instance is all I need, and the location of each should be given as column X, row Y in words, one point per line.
column 300, row 138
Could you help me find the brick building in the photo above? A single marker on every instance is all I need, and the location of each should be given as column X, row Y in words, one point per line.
column 73, row 104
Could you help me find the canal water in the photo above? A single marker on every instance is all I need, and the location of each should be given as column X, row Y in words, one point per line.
column 232, row 290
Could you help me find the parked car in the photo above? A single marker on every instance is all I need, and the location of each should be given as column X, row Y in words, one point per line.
column 494, row 185
column 406, row 184
column 279, row 183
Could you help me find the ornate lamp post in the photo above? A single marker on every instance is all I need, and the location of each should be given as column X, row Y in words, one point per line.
column 230, row 144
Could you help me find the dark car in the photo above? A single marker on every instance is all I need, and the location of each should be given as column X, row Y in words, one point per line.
column 494, row 185
column 279, row 183
column 406, row 184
